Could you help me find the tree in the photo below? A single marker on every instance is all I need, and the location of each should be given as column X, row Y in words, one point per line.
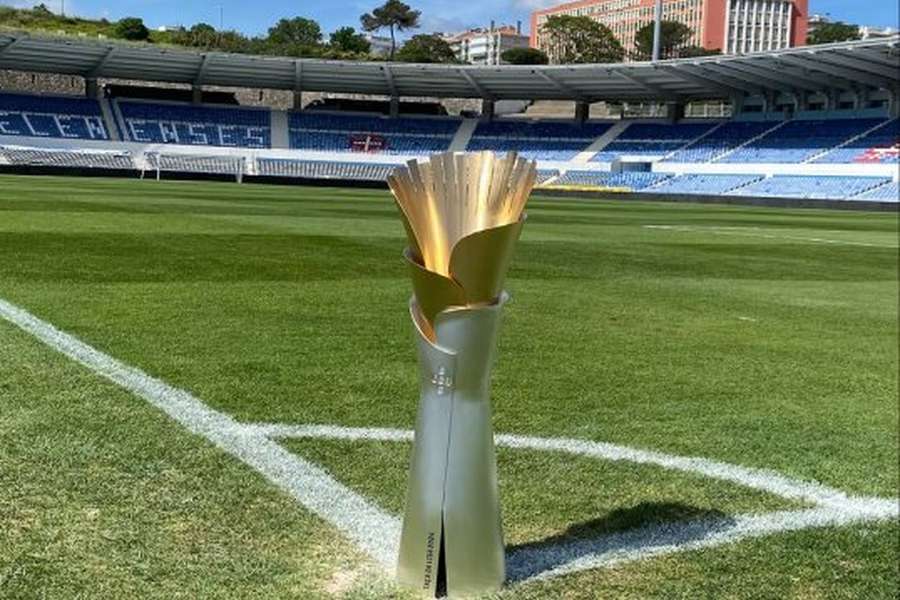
column 201, row 35
column 295, row 32
column 695, row 51
column 673, row 37
column 393, row 14
column 41, row 10
column 581, row 40
column 131, row 28
column 346, row 39
column 828, row 33
column 524, row 56
column 429, row 48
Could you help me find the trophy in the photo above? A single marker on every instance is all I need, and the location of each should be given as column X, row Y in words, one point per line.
column 463, row 214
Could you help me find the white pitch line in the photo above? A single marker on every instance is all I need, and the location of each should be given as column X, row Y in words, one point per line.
column 537, row 563
column 757, row 232
column 758, row 479
column 833, row 507
column 373, row 530
column 378, row 533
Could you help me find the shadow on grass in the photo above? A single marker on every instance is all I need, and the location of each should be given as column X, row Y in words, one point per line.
column 620, row 534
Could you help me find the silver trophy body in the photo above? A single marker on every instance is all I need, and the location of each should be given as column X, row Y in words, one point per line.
column 463, row 215
column 452, row 502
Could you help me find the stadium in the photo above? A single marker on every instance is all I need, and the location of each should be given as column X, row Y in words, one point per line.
column 206, row 379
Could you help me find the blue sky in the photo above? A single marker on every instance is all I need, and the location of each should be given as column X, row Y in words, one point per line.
column 438, row 15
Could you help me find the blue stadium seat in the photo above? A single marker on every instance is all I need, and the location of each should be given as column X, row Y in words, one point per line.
column 879, row 146
column 704, row 184
column 889, row 192
column 807, row 186
column 728, row 136
column 626, row 179
column 537, row 140
column 310, row 130
column 51, row 117
column 196, row 125
column 651, row 139
column 800, row 140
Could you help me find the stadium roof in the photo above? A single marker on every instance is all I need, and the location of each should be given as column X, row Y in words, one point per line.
column 846, row 66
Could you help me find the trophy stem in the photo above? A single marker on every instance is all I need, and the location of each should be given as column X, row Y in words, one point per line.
column 452, row 540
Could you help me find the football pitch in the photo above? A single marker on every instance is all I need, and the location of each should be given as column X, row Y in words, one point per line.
column 206, row 391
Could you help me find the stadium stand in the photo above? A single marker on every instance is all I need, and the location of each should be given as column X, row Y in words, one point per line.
column 538, row 140
column 323, row 169
column 81, row 159
column 373, row 134
column 719, row 141
column 652, row 139
column 544, row 175
column 629, row 180
column 889, row 192
column 800, row 140
column 196, row 125
column 704, row 184
column 879, row 146
column 51, row 117
column 812, row 187
column 246, row 134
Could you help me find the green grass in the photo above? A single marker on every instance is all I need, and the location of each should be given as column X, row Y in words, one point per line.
column 736, row 337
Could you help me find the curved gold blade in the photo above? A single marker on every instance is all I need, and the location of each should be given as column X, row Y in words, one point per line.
column 434, row 292
column 455, row 195
column 479, row 261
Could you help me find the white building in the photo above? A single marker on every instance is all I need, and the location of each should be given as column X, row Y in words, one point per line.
column 484, row 46
column 379, row 45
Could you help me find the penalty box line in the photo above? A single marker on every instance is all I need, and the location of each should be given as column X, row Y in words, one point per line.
column 378, row 533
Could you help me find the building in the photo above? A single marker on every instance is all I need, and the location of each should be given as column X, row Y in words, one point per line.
column 379, row 45
column 484, row 46
column 732, row 26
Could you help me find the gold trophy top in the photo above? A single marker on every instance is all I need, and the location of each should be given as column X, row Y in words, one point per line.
column 463, row 213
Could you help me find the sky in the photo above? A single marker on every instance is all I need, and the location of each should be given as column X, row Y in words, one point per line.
column 256, row 17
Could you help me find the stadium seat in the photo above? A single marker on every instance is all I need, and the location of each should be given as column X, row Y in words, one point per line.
column 651, row 139
column 721, row 140
column 704, row 184
column 879, row 146
column 51, row 117
column 814, row 187
column 330, row 132
column 800, row 140
column 603, row 179
column 196, row 125
column 888, row 192
column 537, row 140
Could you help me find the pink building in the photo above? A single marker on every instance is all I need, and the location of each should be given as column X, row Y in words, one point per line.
column 732, row 26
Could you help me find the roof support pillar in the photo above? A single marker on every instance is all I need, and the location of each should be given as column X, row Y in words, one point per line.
column 196, row 94
column 298, row 85
column 582, row 111
column 487, row 109
column 675, row 111
column 91, row 88
column 769, row 101
column 737, row 104
column 394, row 109
column 862, row 98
